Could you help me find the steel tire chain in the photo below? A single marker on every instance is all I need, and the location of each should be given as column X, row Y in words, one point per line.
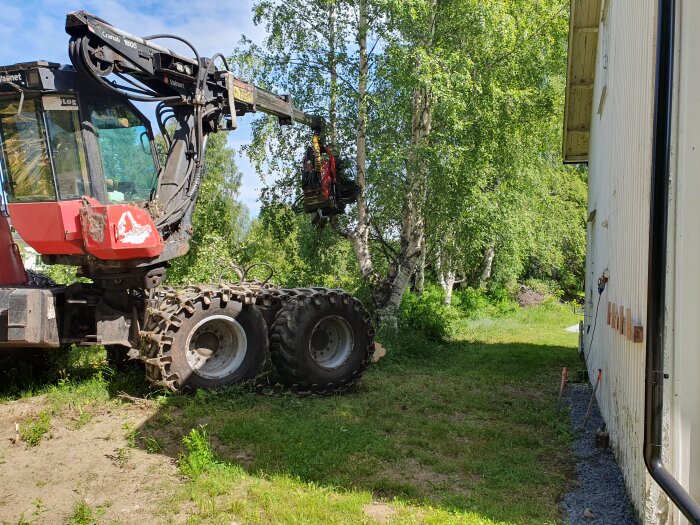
column 155, row 342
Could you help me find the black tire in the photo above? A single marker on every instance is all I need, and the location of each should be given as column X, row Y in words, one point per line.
column 240, row 326
column 306, row 341
column 118, row 359
column 39, row 280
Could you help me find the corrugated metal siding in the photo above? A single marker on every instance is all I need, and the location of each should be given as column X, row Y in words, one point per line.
column 685, row 256
column 620, row 166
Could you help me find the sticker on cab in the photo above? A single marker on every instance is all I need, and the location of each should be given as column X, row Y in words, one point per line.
column 131, row 232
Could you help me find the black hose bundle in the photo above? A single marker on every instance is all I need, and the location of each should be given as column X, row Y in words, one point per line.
column 85, row 59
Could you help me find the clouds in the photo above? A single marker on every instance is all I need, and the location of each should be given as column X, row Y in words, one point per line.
column 34, row 30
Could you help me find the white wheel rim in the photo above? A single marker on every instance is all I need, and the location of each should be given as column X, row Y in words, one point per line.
column 216, row 347
column 331, row 342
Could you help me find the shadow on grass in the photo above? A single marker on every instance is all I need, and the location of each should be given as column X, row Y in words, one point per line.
column 464, row 427
column 28, row 372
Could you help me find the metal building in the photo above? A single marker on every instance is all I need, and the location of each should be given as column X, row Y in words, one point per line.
column 610, row 123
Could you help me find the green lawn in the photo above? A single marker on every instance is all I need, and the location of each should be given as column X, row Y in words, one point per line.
column 463, row 431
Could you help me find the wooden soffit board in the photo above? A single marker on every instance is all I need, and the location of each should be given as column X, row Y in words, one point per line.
column 584, row 24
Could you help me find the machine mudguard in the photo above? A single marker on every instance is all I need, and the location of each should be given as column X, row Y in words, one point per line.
column 119, row 231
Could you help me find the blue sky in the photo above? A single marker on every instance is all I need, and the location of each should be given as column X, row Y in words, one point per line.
column 34, row 30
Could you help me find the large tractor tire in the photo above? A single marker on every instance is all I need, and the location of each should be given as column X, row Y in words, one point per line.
column 204, row 341
column 322, row 342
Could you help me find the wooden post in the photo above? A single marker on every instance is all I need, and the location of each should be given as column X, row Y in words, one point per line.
column 561, row 388
column 621, row 328
column 628, row 326
column 638, row 333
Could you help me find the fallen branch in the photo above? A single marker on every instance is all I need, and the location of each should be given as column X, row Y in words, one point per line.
column 132, row 399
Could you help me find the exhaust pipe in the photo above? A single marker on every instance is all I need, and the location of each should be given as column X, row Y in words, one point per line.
column 656, row 288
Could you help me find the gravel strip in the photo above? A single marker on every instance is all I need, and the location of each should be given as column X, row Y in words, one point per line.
column 600, row 497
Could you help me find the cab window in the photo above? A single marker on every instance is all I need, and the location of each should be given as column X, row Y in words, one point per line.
column 125, row 150
column 23, row 155
column 65, row 141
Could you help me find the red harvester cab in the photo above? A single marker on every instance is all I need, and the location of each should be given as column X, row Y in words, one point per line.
column 74, row 171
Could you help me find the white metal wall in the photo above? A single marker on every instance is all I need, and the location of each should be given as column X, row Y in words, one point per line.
column 684, row 305
column 620, row 168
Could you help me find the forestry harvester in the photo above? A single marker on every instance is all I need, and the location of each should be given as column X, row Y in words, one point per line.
column 85, row 188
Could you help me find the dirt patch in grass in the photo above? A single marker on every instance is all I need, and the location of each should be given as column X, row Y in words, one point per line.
column 44, row 483
column 379, row 512
column 429, row 481
column 521, row 395
column 244, row 459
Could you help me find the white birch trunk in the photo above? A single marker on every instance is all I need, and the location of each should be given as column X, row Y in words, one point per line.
column 420, row 269
column 447, row 279
column 413, row 224
column 448, row 286
column 447, row 283
column 487, row 266
column 359, row 236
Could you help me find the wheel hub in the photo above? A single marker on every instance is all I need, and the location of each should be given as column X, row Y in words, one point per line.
column 216, row 347
column 331, row 342
column 320, row 340
column 207, row 344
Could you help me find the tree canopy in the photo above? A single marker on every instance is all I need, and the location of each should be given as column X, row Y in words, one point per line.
column 450, row 113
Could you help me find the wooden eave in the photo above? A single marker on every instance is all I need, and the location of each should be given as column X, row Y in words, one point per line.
column 584, row 24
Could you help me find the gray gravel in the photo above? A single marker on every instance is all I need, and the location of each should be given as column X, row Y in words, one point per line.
column 600, row 487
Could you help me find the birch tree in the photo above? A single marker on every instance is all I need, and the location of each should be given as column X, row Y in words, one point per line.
column 415, row 25
column 447, row 110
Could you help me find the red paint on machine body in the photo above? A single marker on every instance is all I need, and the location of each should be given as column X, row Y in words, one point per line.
column 119, row 231
column 12, row 271
column 51, row 228
column 78, row 227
